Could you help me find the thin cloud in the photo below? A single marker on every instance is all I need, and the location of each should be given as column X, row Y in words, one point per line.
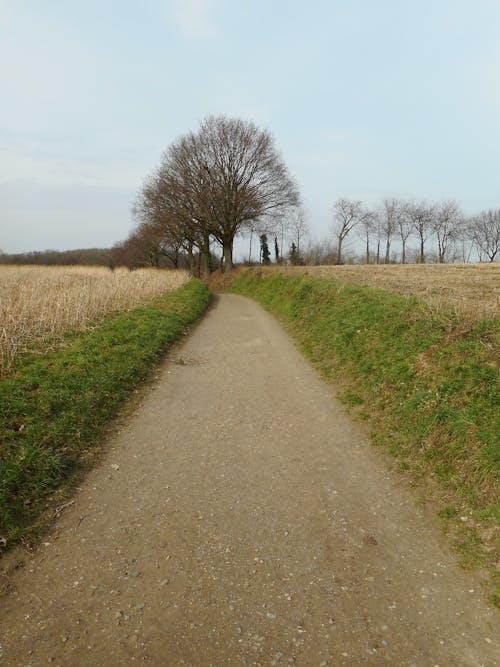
column 192, row 17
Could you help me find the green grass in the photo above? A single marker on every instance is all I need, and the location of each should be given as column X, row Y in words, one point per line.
column 428, row 382
column 54, row 407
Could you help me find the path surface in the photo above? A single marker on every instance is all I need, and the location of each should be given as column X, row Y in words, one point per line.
column 241, row 518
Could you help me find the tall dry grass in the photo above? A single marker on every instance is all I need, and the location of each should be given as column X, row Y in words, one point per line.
column 39, row 304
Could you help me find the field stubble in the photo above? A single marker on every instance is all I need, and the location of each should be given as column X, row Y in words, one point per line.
column 39, row 305
column 470, row 289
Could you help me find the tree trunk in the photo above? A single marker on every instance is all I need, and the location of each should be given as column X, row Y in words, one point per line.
column 339, row 251
column 192, row 261
column 227, row 253
column 205, row 263
column 367, row 249
column 421, row 259
column 281, row 244
column 403, row 255
column 250, row 248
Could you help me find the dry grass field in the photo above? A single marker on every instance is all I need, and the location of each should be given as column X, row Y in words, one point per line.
column 39, row 304
column 472, row 289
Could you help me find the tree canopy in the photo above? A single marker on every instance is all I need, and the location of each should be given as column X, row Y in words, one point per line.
column 215, row 182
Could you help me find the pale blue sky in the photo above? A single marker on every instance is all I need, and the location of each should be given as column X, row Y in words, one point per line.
column 365, row 98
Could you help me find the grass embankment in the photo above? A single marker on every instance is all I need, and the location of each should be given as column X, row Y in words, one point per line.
column 54, row 407
column 427, row 380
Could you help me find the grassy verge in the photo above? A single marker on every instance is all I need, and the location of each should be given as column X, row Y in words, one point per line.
column 427, row 380
column 54, row 407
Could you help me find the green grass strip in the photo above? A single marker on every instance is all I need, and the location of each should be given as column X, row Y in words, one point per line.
column 427, row 380
column 54, row 407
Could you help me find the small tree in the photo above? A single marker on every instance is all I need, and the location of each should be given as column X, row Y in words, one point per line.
column 265, row 255
column 404, row 230
column 297, row 227
column 367, row 227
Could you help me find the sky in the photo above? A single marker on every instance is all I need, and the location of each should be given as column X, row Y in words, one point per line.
column 365, row 99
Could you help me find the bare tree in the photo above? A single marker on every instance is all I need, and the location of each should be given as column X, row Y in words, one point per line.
column 420, row 216
column 446, row 225
column 484, row 230
column 165, row 204
column 368, row 227
column 404, row 230
column 347, row 213
column 319, row 253
column 392, row 213
column 244, row 177
column 298, row 228
column 213, row 183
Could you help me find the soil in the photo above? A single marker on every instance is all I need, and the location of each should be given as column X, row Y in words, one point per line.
column 240, row 517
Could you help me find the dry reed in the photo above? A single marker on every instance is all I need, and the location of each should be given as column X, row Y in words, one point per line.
column 38, row 305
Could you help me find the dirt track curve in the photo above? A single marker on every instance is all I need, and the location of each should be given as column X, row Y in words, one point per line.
column 241, row 518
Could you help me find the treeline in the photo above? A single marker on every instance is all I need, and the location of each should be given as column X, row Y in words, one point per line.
column 84, row 256
column 397, row 231
column 422, row 231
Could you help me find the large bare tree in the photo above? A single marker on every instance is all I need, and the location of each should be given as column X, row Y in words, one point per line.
column 215, row 182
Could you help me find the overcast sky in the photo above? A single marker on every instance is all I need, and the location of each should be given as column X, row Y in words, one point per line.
column 365, row 99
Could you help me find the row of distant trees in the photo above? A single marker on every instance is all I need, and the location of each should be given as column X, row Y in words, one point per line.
column 396, row 231
column 441, row 231
column 84, row 257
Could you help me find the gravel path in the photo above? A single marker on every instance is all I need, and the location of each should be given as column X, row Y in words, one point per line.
column 241, row 518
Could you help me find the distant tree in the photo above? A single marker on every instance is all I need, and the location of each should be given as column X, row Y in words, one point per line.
column 484, row 231
column 347, row 213
column 420, row 215
column 293, row 255
column 276, row 250
column 368, row 226
column 265, row 255
column 297, row 227
column 80, row 256
column 404, row 224
column 319, row 253
column 391, row 214
column 447, row 225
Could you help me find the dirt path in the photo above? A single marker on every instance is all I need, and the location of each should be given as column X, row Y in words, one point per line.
column 240, row 518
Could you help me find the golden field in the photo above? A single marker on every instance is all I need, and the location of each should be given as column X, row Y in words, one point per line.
column 38, row 304
column 472, row 289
